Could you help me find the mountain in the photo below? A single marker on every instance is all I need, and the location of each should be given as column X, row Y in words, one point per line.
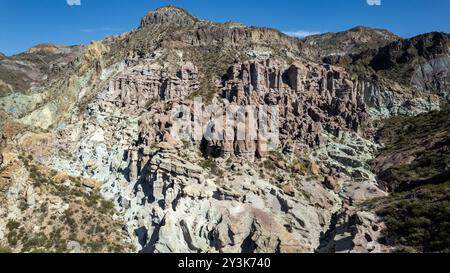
column 352, row 41
column 20, row 73
column 421, row 62
column 89, row 138
column 415, row 166
column 426, row 56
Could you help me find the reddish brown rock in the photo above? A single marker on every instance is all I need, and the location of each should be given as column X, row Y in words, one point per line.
column 331, row 183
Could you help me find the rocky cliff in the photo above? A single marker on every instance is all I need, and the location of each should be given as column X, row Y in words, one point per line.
column 98, row 120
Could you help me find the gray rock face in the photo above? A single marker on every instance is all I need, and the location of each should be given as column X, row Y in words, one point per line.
column 356, row 232
column 434, row 76
column 353, row 229
column 421, row 63
column 349, row 156
column 193, row 214
column 404, row 52
column 401, row 77
column 383, row 101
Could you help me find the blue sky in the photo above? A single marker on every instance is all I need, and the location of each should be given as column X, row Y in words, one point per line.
column 25, row 23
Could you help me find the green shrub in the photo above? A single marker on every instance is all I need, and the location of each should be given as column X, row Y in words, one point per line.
column 95, row 246
column 12, row 225
column 419, row 219
column 12, row 238
column 417, row 214
column 106, row 207
column 36, row 242
column 211, row 165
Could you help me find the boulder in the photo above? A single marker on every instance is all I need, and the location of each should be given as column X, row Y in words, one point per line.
column 331, row 183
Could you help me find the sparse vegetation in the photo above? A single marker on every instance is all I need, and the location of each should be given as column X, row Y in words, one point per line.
column 151, row 102
column 87, row 218
column 5, row 249
column 211, row 165
column 299, row 166
column 212, row 63
column 419, row 219
column 424, row 138
column 417, row 213
column 107, row 207
column 12, row 225
column 12, row 238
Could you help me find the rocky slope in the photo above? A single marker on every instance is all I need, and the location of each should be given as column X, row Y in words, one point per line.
column 420, row 64
column 102, row 120
column 415, row 166
column 46, row 210
column 20, row 73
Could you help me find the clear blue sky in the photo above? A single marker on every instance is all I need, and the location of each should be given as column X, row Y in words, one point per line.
column 25, row 23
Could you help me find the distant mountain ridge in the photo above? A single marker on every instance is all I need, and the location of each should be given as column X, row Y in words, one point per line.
column 352, row 41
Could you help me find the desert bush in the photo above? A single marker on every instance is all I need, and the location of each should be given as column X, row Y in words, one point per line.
column 419, row 219
column 12, row 225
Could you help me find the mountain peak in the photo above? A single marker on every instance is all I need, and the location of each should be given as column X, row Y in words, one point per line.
column 171, row 8
column 364, row 28
column 434, row 36
column 168, row 15
column 46, row 48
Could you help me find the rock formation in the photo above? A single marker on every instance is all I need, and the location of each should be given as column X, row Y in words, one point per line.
column 140, row 85
column 100, row 120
